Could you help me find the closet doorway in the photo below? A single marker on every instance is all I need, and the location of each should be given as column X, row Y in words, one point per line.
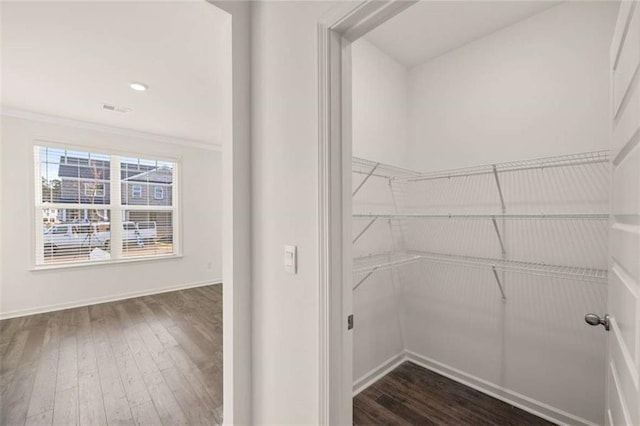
column 493, row 198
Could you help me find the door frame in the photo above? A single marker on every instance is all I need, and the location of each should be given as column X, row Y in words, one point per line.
column 236, row 213
column 336, row 31
column 622, row 377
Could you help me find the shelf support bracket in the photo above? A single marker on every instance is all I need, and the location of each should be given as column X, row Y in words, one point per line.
column 366, row 178
column 364, row 230
column 495, row 175
column 495, row 226
column 365, row 277
column 495, row 274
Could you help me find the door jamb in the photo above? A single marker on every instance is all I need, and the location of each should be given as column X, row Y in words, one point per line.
column 236, row 218
column 336, row 31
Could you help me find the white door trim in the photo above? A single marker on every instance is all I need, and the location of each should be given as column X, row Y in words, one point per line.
column 236, row 214
column 336, row 32
column 623, row 304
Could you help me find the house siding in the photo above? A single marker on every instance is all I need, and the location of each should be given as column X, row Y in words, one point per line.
column 147, row 194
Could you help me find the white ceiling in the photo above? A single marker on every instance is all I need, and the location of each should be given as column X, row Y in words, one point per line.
column 68, row 58
column 430, row 28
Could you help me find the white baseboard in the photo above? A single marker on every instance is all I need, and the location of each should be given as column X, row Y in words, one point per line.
column 523, row 402
column 377, row 373
column 103, row 299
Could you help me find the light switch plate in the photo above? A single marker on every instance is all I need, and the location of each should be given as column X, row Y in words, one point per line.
column 291, row 259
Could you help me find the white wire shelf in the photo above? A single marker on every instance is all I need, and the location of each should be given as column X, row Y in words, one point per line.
column 585, row 216
column 380, row 262
column 531, row 268
column 369, row 264
column 364, row 167
column 580, row 159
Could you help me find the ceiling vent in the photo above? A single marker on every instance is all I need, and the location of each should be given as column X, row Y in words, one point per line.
column 115, row 108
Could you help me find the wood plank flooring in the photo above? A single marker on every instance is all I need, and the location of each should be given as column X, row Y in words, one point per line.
column 412, row 395
column 153, row 360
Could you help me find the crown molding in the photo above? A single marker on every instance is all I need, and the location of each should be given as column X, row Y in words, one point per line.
column 120, row 131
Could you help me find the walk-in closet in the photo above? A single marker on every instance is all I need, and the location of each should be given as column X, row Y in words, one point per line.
column 481, row 199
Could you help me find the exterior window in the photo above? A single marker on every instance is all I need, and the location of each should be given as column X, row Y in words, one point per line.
column 136, row 191
column 94, row 189
column 158, row 193
column 79, row 195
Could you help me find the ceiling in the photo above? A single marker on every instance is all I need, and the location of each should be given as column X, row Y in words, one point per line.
column 431, row 28
column 67, row 59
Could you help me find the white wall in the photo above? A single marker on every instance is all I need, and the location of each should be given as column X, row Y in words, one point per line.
column 24, row 290
column 284, row 167
column 380, row 105
column 380, row 126
column 537, row 88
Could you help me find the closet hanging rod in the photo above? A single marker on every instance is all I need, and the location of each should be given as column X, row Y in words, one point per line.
column 563, row 216
column 582, row 159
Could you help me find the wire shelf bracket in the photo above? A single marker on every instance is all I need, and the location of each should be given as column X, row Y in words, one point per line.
column 366, row 228
column 495, row 274
column 495, row 175
column 366, row 178
column 495, row 226
column 365, row 277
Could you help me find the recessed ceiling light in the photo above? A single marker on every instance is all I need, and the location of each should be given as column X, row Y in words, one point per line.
column 140, row 87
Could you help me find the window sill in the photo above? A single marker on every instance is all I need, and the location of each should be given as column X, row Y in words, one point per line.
column 86, row 264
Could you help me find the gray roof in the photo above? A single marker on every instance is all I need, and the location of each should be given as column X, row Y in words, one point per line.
column 159, row 175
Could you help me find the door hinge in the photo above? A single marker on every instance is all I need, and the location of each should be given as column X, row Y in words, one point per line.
column 350, row 322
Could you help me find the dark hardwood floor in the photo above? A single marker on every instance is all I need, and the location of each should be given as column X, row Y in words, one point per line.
column 150, row 360
column 412, row 395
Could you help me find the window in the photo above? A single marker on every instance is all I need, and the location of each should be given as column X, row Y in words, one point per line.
column 94, row 190
column 80, row 194
column 158, row 193
column 136, row 191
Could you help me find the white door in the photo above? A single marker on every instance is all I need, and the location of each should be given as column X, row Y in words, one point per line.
column 623, row 389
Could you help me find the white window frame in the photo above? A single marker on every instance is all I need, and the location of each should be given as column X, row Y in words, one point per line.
column 155, row 193
column 116, row 207
column 136, row 188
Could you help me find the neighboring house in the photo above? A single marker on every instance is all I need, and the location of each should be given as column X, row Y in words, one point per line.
column 50, row 215
column 149, row 188
column 88, row 182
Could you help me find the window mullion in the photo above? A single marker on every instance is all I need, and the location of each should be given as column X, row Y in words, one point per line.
column 175, row 211
column 116, row 208
column 38, row 239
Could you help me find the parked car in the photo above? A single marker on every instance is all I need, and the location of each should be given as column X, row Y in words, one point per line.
column 147, row 231
column 74, row 237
